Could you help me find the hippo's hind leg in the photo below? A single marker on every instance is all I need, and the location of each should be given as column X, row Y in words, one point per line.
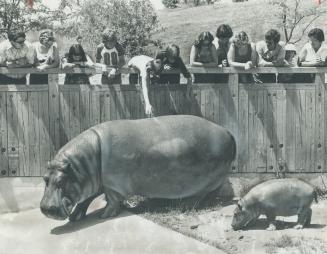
column 81, row 209
column 304, row 218
column 271, row 220
column 113, row 207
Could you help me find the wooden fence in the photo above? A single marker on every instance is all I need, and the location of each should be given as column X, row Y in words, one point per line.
column 278, row 126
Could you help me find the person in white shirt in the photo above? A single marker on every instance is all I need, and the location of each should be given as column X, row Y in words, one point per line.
column 150, row 70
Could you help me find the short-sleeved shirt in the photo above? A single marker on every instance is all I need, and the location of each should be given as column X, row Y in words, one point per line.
column 10, row 54
column 311, row 55
column 111, row 56
column 278, row 54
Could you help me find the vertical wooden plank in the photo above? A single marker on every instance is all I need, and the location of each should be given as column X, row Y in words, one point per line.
column 95, row 107
column 210, row 105
column 54, row 111
column 127, row 107
column 203, row 102
column 104, row 106
column 253, row 104
column 64, row 117
column 113, row 103
column 23, row 135
column 34, row 133
column 281, row 128
column 44, row 127
column 84, row 109
column 272, row 135
column 119, row 103
column 133, row 105
column 243, row 125
column 290, row 146
column 4, row 171
column 74, row 122
column 300, row 128
column 13, row 143
column 216, row 104
column 320, row 148
column 310, row 145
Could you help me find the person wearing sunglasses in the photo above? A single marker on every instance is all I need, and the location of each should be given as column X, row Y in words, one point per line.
column 16, row 53
column 47, row 56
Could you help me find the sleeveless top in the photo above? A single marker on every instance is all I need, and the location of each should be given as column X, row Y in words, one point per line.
column 42, row 57
column 243, row 58
column 203, row 55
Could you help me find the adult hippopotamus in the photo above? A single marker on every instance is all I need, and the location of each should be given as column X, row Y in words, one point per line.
column 277, row 197
column 164, row 157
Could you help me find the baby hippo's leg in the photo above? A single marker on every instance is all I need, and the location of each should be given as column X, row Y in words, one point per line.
column 114, row 201
column 271, row 220
column 304, row 218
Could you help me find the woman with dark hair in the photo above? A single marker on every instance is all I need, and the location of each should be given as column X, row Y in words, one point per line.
column 47, row 55
column 203, row 54
column 314, row 53
column 76, row 57
column 270, row 54
column 242, row 54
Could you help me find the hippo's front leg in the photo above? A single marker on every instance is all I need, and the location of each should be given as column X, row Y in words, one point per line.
column 113, row 207
column 81, row 209
column 304, row 218
column 271, row 220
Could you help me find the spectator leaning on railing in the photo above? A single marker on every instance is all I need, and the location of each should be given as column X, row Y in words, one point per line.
column 16, row 53
column 110, row 53
column 203, row 54
column 47, row 56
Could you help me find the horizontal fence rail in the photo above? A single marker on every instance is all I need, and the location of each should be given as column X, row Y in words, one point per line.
column 278, row 126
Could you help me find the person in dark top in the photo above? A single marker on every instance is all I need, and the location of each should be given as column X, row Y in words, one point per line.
column 203, row 54
column 171, row 60
column 76, row 57
column 110, row 54
column 222, row 44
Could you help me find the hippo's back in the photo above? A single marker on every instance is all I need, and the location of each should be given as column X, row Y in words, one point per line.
column 284, row 197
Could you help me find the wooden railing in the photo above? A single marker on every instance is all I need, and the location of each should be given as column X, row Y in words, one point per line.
column 278, row 126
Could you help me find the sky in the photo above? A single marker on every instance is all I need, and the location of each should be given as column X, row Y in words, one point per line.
column 53, row 4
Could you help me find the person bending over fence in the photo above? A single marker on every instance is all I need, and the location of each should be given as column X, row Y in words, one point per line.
column 110, row 54
column 150, row 70
column 47, row 56
column 76, row 57
column 242, row 54
column 203, row 54
column 171, row 60
column 16, row 53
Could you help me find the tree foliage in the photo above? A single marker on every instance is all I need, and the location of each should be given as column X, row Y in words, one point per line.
column 170, row 4
column 134, row 20
column 14, row 14
column 297, row 16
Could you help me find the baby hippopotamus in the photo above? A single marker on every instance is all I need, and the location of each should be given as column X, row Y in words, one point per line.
column 277, row 197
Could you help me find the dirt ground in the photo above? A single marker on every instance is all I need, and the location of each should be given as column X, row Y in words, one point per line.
column 211, row 224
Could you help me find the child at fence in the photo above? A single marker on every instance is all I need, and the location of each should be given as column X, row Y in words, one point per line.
column 110, row 54
column 271, row 54
column 171, row 60
column 203, row 54
column 313, row 53
column 16, row 53
column 76, row 57
column 222, row 43
column 47, row 56
column 242, row 54
column 150, row 70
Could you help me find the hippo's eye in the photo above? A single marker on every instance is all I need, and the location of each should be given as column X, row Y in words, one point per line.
column 60, row 181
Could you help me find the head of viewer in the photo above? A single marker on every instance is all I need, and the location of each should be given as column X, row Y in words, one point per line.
column 109, row 38
column 224, row 33
column 79, row 39
column 17, row 39
column 272, row 37
column 241, row 40
column 46, row 38
column 204, row 39
column 172, row 53
column 316, row 37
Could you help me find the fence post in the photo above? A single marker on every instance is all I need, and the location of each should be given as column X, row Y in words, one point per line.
column 233, row 86
column 320, row 124
column 53, row 81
